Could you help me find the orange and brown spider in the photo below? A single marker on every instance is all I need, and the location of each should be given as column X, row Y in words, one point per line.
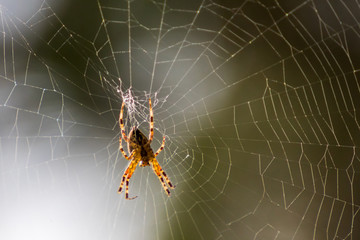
column 141, row 152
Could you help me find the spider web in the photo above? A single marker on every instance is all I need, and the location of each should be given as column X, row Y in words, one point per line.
column 258, row 101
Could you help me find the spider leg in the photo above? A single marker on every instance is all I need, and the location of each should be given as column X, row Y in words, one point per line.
column 121, row 122
column 123, row 152
column 158, row 171
column 127, row 190
column 151, row 135
column 126, row 177
column 161, row 147
column 167, row 179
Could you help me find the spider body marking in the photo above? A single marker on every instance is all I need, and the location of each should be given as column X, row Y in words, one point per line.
column 139, row 147
column 139, row 143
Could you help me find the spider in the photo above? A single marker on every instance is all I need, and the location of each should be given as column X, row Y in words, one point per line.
column 141, row 152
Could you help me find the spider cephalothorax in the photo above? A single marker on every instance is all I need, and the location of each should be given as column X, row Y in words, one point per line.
column 141, row 153
column 139, row 143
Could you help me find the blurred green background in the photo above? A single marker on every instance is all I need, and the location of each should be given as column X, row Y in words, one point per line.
column 258, row 101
